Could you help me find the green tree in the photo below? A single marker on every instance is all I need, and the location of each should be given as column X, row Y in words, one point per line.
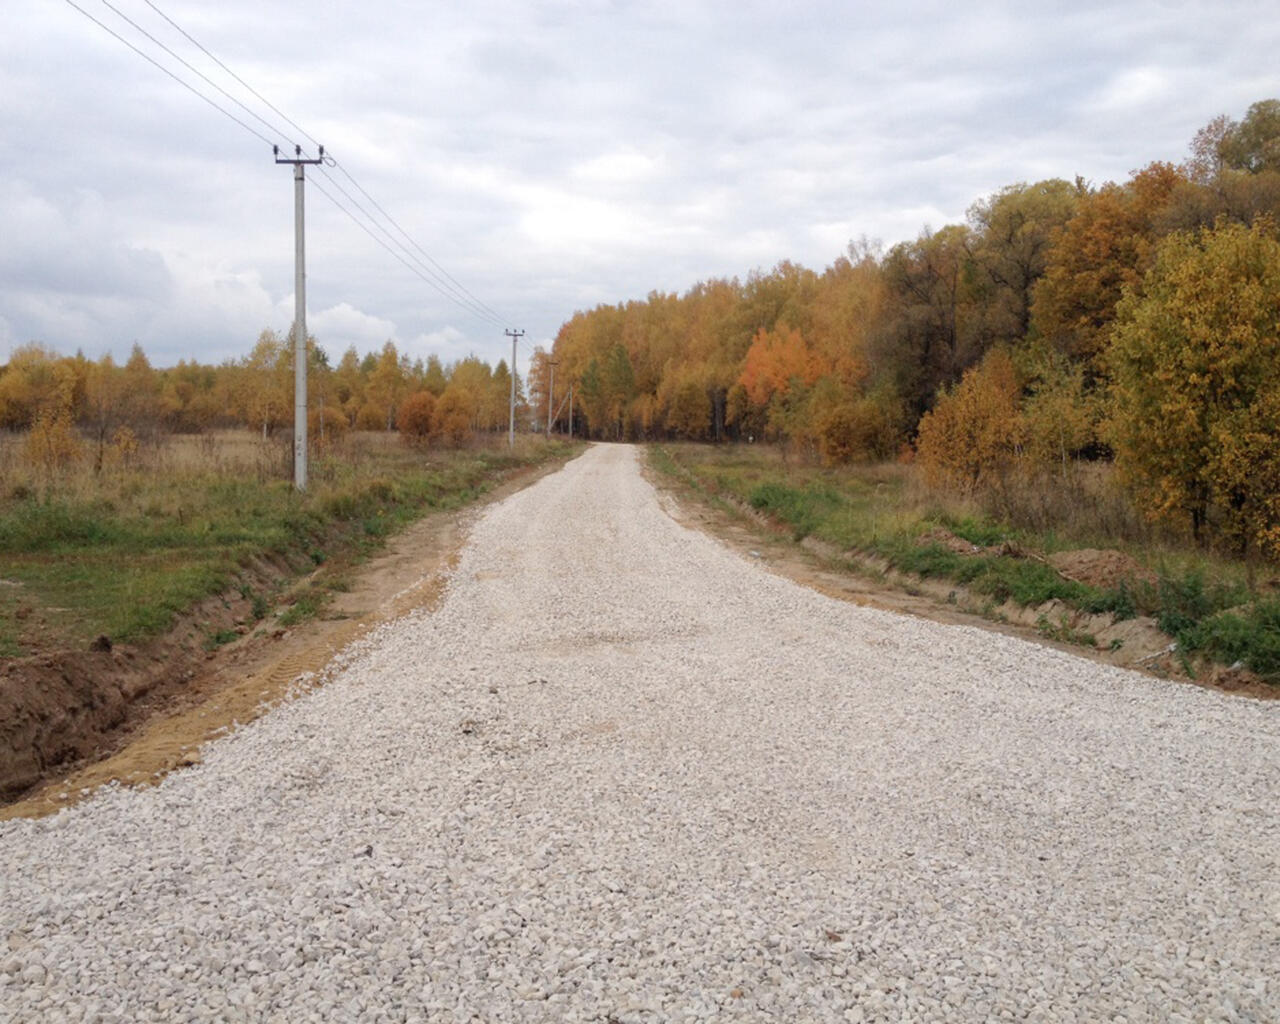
column 924, row 340
column 433, row 378
column 1015, row 231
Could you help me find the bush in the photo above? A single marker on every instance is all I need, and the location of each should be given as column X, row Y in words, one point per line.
column 416, row 418
column 1250, row 637
column 326, row 425
column 972, row 436
column 371, row 417
column 864, row 428
column 452, row 419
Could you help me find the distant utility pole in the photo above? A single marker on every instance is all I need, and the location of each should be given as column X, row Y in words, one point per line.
column 551, row 394
column 511, row 429
column 299, row 316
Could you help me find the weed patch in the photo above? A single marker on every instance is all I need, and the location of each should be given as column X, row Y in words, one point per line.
column 1250, row 637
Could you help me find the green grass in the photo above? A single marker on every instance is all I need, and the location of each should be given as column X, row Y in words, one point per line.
column 126, row 557
column 1249, row 636
column 882, row 511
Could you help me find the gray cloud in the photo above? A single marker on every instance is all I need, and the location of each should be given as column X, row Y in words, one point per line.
column 554, row 155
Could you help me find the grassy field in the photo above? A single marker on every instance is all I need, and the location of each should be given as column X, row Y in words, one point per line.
column 883, row 512
column 125, row 551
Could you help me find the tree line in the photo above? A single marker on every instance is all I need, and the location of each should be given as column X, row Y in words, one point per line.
column 1061, row 321
column 65, row 401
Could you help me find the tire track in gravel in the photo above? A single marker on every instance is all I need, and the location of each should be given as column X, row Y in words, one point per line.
column 622, row 774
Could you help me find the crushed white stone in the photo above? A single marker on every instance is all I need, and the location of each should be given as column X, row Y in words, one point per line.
column 623, row 774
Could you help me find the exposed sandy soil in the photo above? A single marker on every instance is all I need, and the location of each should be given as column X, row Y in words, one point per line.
column 140, row 713
column 1133, row 643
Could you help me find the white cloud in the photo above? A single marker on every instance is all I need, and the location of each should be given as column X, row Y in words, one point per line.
column 339, row 327
column 1134, row 89
column 617, row 168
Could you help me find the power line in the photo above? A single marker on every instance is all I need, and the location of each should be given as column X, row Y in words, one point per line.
column 197, row 72
column 427, row 255
column 186, row 85
column 465, row 298
column 439, row 279
column 261, row 99
column 369, row 231
column 459, row 295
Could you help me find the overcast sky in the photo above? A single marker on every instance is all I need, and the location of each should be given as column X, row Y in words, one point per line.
column 549, row 156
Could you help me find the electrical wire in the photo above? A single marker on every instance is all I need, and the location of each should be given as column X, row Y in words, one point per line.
column 186, row 85
column 447, row 285
column 257, row 95
column 454, row 291
column 419, row 248
column 369, row 231
column 464, row 297
column 197, row 72
column 438, row 278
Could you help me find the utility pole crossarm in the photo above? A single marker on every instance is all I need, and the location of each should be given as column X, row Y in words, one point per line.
column 300, row 313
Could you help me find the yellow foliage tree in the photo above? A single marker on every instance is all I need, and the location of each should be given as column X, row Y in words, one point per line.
column 1195, row 363
column 974, row 434
column 1061, row 414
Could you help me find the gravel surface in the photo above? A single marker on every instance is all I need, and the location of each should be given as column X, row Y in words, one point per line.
column 623, row 774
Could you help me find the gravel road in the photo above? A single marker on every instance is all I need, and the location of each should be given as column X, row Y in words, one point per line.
column 623, row 774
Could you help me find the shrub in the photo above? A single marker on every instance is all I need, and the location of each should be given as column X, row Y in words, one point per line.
column 972, row 436
column 416, row 418
column 371, row 417
column 1251, row 637
column 326, row 425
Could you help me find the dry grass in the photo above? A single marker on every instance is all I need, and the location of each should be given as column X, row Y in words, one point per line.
column 123, row 550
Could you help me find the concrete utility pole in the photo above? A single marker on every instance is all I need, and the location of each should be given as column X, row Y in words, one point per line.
column 551, row 394
column 511, row 429
column 299, row 316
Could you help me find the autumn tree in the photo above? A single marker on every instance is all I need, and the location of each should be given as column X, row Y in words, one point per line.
column 349, row 384
column 265, row 395
column 972, row 436
column 37, row 379
column 104, row 405
column 1233, row 171
column 608, row 387
column 1108, row 245
column 686, row 406
column 777, row 361
column 452, row 416
column 1061, row 411
column 417, row 418
column 433, row 378
column 386, row 386
column 1195, row 361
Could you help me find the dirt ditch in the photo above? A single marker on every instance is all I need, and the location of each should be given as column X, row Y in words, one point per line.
column 74, row 720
